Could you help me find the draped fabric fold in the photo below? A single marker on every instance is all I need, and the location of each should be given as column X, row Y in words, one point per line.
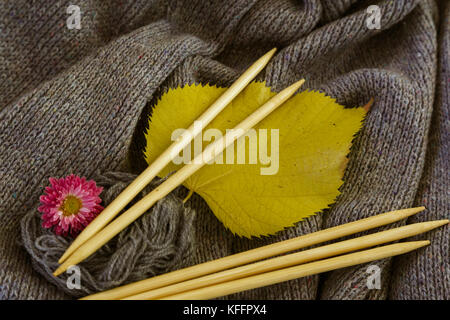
column 77, row 101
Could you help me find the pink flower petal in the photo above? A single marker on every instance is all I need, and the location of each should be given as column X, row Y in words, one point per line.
column 54, row 214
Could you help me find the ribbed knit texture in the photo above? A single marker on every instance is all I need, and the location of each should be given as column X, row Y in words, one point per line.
column 426, row 274
column 77, row 101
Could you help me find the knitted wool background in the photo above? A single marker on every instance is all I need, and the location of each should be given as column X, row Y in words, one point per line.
column 76, row 101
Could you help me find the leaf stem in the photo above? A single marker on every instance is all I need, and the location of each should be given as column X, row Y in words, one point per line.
column 189, row 195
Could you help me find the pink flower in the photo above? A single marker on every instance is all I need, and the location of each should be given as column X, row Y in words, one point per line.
column 69, row 204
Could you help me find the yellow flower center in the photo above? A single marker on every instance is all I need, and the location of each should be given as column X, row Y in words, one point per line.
column 71, row 205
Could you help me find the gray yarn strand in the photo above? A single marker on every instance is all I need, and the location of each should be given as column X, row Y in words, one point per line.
column 158, row 242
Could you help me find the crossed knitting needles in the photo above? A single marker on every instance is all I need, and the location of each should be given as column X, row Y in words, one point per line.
column 99, row 232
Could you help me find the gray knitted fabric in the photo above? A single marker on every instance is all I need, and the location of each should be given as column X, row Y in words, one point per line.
column 76, row 101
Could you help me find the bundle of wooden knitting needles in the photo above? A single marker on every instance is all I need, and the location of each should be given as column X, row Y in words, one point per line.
column 236, row 273
column 209, row 280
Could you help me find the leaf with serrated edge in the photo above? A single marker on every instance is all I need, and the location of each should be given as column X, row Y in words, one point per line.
column 315, row 135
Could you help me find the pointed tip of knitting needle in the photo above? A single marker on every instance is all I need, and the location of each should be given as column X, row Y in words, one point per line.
column 286, row 93
column 60, row 270
column 271, row 52
column 410, row 211
column 429, row 225
column 300, row 82
column 266, row 57
column 264, row 60
column 417, row 209
column 66, row 254
column 411, row 245
column 437, row 223
column 296, row 85
column 419, row 244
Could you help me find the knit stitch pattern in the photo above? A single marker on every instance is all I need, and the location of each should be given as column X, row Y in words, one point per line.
column 77, row 101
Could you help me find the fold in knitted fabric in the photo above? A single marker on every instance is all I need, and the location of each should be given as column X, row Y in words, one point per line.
column 77, row 101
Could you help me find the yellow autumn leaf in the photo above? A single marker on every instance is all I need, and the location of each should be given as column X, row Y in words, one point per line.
column 314, row 138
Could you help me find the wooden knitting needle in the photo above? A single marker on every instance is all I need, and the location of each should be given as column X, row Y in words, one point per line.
column 213, row 149
column 255, row 254
column 292, row 259
column 168, row 155
column 269, row 278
